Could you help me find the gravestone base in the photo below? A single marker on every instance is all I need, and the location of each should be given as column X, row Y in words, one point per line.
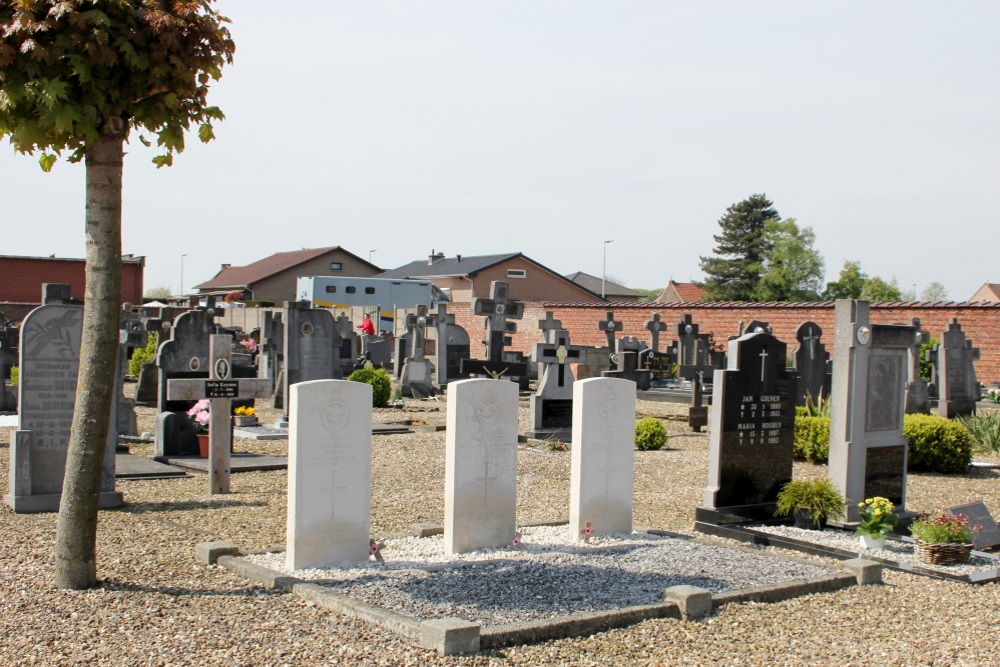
column 49, row 502
column 728, row 516
column 564, row 435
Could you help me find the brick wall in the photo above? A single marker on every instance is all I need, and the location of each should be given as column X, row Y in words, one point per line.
column 21, row 278
column 980, row 321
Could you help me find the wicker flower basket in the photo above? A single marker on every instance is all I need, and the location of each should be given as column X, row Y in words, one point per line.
column 945, row 553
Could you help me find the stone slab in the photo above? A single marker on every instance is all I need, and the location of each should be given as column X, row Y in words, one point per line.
column 130, row 466
column 237, row 462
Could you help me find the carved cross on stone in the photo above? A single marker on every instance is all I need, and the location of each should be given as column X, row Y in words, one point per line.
column 810, row 338
column 655, row 326
column 609, row 325
column 559, row 352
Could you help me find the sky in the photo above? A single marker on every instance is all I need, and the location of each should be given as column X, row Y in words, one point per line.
column 551, row 127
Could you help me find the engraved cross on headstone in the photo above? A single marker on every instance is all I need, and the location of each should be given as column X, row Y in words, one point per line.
column 810, row 338
column 559, row 352
column 220, row 389
column 655, row 326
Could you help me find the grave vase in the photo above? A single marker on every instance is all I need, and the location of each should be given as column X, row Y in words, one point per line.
column 872, row 541
column 203, row 445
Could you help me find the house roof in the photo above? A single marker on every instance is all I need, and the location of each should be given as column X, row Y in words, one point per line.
column 245, row 276
column 593, row 284
column 449, row 267
column 992, row 289
column 686, row 292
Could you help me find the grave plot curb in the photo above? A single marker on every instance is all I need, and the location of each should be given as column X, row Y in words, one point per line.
column 456, row 636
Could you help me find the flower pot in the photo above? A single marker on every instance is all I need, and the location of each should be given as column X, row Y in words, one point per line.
column 203, row 445
column 943, row 553
column 803, row 519
column 872, row 541
column 242, row 420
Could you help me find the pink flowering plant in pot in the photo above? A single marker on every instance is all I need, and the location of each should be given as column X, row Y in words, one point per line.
column 877, row 519
column 943, row 529
column 200, row 414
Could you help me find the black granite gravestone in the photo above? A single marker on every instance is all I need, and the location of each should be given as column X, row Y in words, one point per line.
column 988, row 536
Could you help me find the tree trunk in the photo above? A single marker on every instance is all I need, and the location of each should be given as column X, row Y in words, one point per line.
column 76, row 532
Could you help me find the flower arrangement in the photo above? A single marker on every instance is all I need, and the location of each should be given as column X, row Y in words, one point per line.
column 250, row 344
column 200, row 414
column 244, row 411
column 877, row 518
column 992, row 394
column 943, row 529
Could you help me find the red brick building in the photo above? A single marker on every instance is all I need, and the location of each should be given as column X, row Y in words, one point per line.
column 21, row 280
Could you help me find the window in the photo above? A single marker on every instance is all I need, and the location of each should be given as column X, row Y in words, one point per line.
column 369, row 290
column 517, row 273
column 350, row 289
column 330, row 289
column 336, row 266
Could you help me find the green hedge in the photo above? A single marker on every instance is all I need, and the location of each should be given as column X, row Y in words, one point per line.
column 812, row 438
column 937, row 444
column 380, row 382
column 650, row 433
column 142, row 354
column 15, row 376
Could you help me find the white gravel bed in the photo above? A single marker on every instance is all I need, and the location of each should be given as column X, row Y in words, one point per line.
column 896, row 550
column 546, row 576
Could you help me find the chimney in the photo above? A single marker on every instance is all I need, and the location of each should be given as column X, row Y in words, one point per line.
column 226, row 266
column 458, row 258
column 434, row 256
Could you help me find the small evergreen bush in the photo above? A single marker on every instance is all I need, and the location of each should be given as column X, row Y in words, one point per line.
column 650, row 434
column 937, row 444
column 380, row 382
column 812, row 438
column 140, row 355
column 15, row 375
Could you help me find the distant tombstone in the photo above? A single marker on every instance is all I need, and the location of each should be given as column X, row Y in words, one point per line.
column 49, row 364
column 698, row 373
column 312, row 346
column 868, row 450
column 812, row 364
column 602, row 457
column 625, row 363
column 687, row 334
column 347, row 348
column 400, row 351
column 416, row 380
column 497, row 309
column 609, row 325
column 480, row 465
column 518, row 371
column 8, row 358
column 754, row 326
column 329, row 474
column 552, row 403
column 917, row 395
column 131, row 335
column 988, row 536
column 958, row 389
column 452, row 345
column 752, row 433
column 271, row 360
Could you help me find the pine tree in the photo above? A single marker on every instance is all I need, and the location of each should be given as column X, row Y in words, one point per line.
column 736, row 269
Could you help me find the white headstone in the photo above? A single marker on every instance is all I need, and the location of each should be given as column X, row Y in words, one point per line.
column 329, row 474
column 481, row 465
column 601, row 460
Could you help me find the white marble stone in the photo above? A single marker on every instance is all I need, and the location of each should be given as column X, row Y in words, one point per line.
column 329, row 473
column 602, row 456
column 481, row 465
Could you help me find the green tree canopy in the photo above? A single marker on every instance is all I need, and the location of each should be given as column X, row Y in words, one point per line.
column 853, row 283
column 877, row 289
column 736, row 269
column 78, row 76
column 793, row 268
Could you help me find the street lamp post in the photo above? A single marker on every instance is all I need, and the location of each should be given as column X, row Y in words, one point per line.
column 604, row 267
column 182, row 275
column 370, row 255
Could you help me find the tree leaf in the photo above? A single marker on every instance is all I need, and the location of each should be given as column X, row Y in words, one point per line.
column 46, row 162
column 205, row 133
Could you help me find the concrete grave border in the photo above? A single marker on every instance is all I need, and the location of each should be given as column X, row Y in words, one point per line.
column 456, row 636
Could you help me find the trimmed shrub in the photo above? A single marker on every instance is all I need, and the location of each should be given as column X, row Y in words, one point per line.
column 937, row 444
column 380, row 382
column 15, row 375
column 140, row 355
column 650, row 434
column 812, row 438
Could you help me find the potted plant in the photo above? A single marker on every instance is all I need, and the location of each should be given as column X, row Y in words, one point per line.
column 199, row 412
column 244, row 415
column 876, row 521
column 942, row 539
column 810, row 502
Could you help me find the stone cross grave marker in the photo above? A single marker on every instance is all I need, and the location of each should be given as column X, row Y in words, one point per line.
column 958, row 389
column 917, row 395
column 609, row 325
column 497, row 309
column 868, row 450
column 159, row 321
column 626, row 363
column 696, row 373
column 659, row 364
column 552, row 403
column 451, row 346
column 49, row 362
column 752, row 433
column 601, row 460
column 687, row 334
column 812, row 364
column 220, row 389
column 480, row 465
column 329, row 474
column 416, row 380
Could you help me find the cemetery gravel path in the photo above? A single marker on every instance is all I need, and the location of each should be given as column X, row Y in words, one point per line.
column 157, row 606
